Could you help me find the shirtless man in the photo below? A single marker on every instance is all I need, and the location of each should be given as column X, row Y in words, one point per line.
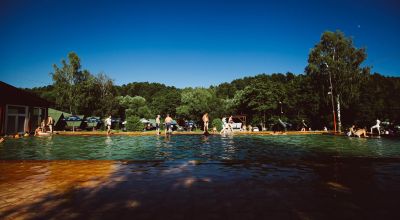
column 168, row 121
column 205, row 120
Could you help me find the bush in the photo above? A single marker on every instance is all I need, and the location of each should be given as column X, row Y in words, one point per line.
column 217, row 123
column 133, row 124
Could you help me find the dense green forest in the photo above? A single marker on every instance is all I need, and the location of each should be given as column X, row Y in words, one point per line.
column 335, row 74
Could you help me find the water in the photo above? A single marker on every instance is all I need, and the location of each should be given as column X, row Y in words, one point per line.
column 198, row 147
column 234, row 177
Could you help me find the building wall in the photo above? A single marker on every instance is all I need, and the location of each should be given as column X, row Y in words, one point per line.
column 2, row 119
column 12, row 96
column 26, row 122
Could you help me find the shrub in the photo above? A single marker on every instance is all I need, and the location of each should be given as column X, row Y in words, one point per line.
column 217, row 123
column 133, row 124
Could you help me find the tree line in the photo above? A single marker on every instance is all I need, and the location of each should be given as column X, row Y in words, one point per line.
column 334, row 76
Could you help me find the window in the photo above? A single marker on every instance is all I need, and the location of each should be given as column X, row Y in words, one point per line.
column 16, row 116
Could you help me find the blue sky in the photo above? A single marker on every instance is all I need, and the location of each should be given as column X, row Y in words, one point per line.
column 187, row 43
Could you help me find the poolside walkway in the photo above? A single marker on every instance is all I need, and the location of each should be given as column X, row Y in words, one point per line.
column 192, row 190
column 152, row 133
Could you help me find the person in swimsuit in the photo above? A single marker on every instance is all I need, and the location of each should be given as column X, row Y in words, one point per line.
column 205, row 120
column 158, row 124
column 168, row 121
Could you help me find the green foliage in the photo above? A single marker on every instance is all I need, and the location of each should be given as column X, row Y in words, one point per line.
column 105, row 102
column 66, row 82
column 135, row 106
column 335, row 55
column 133, row 124
column 79, row 92
column 217, row 123
column 166, row 101
column 197, row 101
column 263, row 98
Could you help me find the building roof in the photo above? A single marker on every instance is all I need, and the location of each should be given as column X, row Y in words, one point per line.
column 57, row 115
column 14, row 96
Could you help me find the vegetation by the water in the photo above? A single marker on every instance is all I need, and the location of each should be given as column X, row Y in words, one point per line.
column 263, row 98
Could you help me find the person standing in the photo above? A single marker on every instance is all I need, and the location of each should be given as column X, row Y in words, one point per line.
column 108, row 125
column 205, row 121
column 50, row 123
column 224, row 125
column 168, row 121
column 158, row 124
column 377, row 126
column 230, row 123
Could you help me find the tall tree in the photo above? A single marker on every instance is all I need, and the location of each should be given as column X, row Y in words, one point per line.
column 106, row 102
column 335, row 60
column 259, row 99
column 65, row 81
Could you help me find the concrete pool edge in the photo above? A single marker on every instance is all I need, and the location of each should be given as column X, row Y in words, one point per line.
column 102, row 133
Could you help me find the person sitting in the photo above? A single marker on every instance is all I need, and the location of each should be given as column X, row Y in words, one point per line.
column 214, row 130
column 351, row 131
column 43, row 126
column 37, row 131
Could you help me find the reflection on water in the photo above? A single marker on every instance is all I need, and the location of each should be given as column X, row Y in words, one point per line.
column 198, row 147
column 108, row 141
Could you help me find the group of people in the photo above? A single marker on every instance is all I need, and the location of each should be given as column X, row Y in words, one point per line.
column 168, row 124
column 227, row 126
column 363, row 131
column 45, row 123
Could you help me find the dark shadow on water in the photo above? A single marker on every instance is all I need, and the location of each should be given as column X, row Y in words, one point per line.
column 334, row 189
